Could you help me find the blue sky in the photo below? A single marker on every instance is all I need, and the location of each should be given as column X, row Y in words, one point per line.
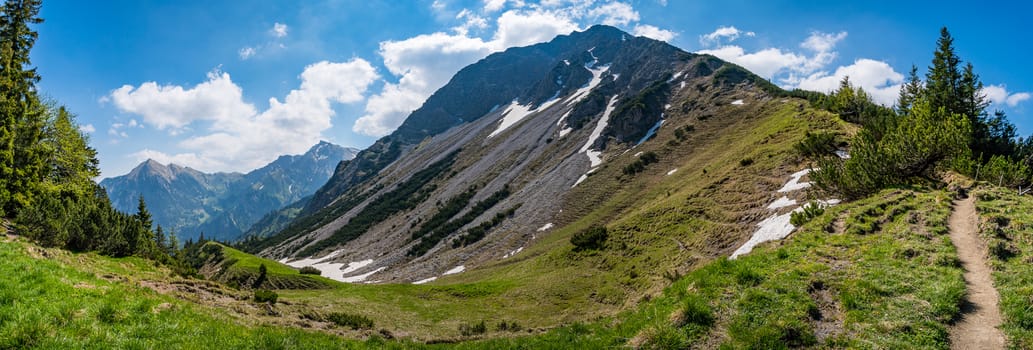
column 230, row 85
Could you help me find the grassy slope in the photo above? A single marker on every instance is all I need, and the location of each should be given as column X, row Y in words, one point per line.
column 1006, row 225
column 54, row 299
column 239, row 268
column 897, row 286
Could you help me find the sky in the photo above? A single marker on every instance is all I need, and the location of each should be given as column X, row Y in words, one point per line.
column 231, row 85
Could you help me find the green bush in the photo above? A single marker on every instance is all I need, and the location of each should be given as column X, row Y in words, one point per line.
column 265, row 296
column 640, row 164
column 349, row 320
column 817, row 144
column 592, row 238
column 309, row 270
column 468, row 330
column 810, row 211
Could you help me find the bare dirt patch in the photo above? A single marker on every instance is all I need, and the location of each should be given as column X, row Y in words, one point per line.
column 980, row 318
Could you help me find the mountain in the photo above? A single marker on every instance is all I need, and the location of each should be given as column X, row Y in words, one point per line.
column 518, row 143
column 223, row 205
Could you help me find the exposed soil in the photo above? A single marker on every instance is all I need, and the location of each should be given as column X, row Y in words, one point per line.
column 980, row 318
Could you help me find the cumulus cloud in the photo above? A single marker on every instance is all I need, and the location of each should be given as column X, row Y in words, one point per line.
column 279, row 30
column 236, row 136
column 653, row 32
column 172, row 106
column 728, row 34
column 87, row 128
column 998, row 94
column 493, row 5
column 809, row 68
column 876, row 77
column 614, row 14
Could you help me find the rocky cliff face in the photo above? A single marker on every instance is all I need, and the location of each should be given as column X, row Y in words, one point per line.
column 223, row 205
column 505, row 151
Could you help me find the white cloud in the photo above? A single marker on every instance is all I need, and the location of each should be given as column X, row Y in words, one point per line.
column 519, row 28
column 493, row 5
column 877, row 78
column 279, row 30
column 653, row 32
column 729, row 33
column 237, row 137
column 87, row 128
column 1015, row 99
column 809, row 69
column 770, row 62
column 766, row 62
column 470, row 21
column 998, row 94
column 172, row 106
column 614, row 14
column 247, row 52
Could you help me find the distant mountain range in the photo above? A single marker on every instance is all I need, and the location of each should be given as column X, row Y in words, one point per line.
column 223, row 205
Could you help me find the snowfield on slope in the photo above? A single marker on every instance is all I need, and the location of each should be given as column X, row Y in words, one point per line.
column 778, row 226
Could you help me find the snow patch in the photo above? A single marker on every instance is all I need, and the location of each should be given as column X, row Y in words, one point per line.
column 842, row 154
column 566, row 62
column 738, row 102
column 773, row 228
column 669, row 173
column 517, row 112
column 580, row 180
column 777, row 227
column 597, row 77
column 425, row 280
column 638, row 154
column 782, row 203
column 651, row 132
column 334, row 271
column 356, row 265
column 545, row 227
column 513, row 253
column 455, row 270
column 362, row 277
column 794, row 182
column 682, row 85
column 667, row 106
column 675, row 77
column 594, row 156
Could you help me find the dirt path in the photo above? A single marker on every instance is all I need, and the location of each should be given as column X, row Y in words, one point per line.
column 980, row 317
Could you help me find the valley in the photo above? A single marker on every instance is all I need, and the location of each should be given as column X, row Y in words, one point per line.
column 598, row 188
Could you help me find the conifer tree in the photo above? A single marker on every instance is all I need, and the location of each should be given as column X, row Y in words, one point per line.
column 910, row 91
column 944, row 76
column 21, row 117
column 143, row 215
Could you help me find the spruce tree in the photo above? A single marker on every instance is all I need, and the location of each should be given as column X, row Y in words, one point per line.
column 944, row 77
column 21, row 164
column 73, row 164
column 910, row 91
column 143, row 215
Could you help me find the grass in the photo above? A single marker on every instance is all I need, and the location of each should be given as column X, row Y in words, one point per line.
column 1006, row 220
column 51, row 299
column 881, row 289
column 240, row 269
